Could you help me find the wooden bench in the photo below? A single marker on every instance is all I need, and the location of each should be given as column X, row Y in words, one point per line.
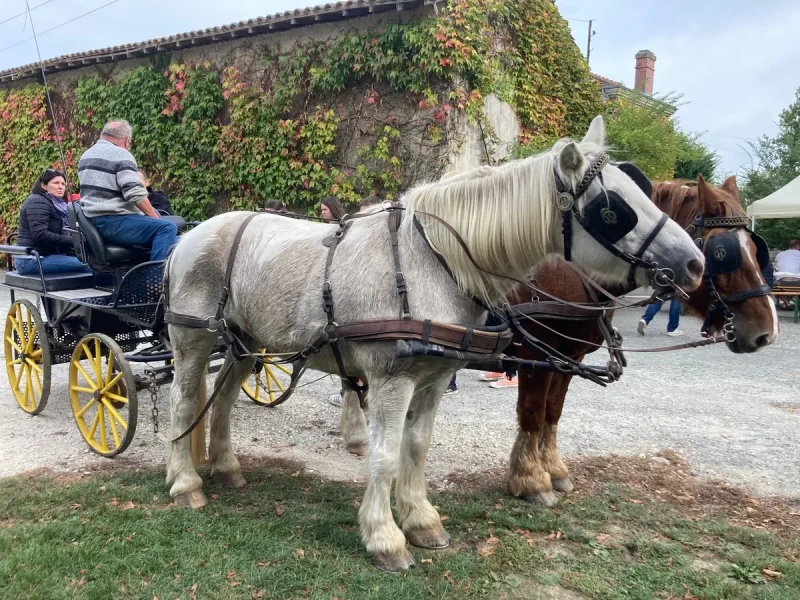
column 789, row 287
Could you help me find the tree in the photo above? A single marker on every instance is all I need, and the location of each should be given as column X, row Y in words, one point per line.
column 695, row 158
column 639, row 129
column 776, row 163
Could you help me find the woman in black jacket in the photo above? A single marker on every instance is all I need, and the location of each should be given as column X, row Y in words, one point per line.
column 42, row 224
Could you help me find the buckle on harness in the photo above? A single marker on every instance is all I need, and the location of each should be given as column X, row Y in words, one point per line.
column 215, row 324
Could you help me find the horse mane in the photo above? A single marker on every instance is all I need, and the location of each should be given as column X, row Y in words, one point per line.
column 679, row 199
column 506, row 215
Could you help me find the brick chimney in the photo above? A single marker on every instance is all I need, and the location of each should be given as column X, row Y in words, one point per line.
column 645, row 68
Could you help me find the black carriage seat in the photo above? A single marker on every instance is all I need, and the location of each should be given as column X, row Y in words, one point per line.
column 93, row 250
column 55, row 282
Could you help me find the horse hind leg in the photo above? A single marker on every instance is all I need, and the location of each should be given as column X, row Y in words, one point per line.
column 225, row 469
column 353, row 424
column 420, row 520
column 191, row 348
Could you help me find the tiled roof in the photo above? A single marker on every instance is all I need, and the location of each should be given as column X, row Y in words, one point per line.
column 606, row 81
column 334, row 11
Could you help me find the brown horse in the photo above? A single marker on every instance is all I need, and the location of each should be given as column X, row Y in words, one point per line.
column 535, row 467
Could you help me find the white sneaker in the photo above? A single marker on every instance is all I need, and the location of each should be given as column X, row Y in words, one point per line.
column 676, row 333
column 642, row 327
column 336, row 400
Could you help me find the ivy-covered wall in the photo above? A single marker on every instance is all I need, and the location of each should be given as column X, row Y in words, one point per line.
column 369, row 108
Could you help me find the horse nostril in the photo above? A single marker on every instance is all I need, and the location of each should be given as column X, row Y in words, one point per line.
column 762, row 340
column 695, row 269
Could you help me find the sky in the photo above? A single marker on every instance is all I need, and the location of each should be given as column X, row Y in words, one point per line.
column 734, row 61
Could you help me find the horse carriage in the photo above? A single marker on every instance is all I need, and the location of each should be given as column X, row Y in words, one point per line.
column 100, row 323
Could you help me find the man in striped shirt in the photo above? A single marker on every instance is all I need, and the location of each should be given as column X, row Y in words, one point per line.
column 114, row 197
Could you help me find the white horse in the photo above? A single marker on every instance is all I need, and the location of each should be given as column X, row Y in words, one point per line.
column 508, row 218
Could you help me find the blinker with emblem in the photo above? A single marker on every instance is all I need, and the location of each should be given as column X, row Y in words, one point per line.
column 609, row 216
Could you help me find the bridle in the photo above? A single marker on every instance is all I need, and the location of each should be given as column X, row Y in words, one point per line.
column 723, row 254
column 608, row 218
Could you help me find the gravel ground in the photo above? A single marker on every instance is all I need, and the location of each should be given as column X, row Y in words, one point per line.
column 733, row 417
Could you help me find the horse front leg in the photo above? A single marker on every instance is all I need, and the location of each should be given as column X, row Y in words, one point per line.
column 225, row 469
column 527, row 477
column 551, row 461
column 388, row 401
column 353, row 424
column 191, row 348
column 420, row 520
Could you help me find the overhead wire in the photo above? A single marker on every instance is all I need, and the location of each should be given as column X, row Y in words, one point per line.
column 24, row 12
column 58, row 26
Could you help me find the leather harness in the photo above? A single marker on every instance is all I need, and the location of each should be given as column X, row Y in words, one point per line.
column 486, row 342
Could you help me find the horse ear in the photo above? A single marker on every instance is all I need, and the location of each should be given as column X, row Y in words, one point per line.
column 597, row 132
column 570, row 159
column 730, row 186
column 706, row 200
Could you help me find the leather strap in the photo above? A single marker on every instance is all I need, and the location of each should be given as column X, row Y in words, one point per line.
column 645, row 245
column 394, row 219
column 214, row 323
column 468, row 339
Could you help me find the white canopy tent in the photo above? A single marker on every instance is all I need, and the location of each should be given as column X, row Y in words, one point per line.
column 781, row 204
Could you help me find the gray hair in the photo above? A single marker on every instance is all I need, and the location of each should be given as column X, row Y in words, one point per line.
column 119, row 129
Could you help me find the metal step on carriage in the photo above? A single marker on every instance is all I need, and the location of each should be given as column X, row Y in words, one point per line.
column 101, row 323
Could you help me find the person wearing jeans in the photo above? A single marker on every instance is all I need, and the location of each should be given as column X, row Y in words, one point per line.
column 652, row 311
column 114, row 196
column 139, row 230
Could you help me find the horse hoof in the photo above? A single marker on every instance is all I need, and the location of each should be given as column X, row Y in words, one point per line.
column 546, row 498
column 432, row 539
column 231, row 479
column 563, row 485
column 394, row 562
column 357, row 449
column 193, row 499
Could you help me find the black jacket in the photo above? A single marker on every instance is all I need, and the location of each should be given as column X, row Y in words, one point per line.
column 41, row 227
column 159, row 200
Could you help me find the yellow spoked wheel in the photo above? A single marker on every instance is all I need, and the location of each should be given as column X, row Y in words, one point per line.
column 102, row 393
column 267, row 382
column 27, row 353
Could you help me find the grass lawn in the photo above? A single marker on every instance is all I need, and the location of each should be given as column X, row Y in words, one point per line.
column 634, row 529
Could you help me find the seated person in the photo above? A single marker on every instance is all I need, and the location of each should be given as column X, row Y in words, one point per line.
column 158, row 199
column 42, row 224
column 115, row 199
column 787, row 263
column 275, row 205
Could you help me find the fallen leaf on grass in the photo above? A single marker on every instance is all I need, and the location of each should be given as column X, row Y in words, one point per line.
column 279, row 510
column 127, row 505
column 113, row 502
column 525, row 533
column 75, row 506
column 356, row 503
column 192, row 590
column 299, row 553
column 257, row 594
column 443, row 518
column 426, row 561
column 603, row 537
column 771, row 572
column 554, row 535
column 448, row 576
column 214, row 496
column 637, row 502
column 487, row 547
column 266, row 563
